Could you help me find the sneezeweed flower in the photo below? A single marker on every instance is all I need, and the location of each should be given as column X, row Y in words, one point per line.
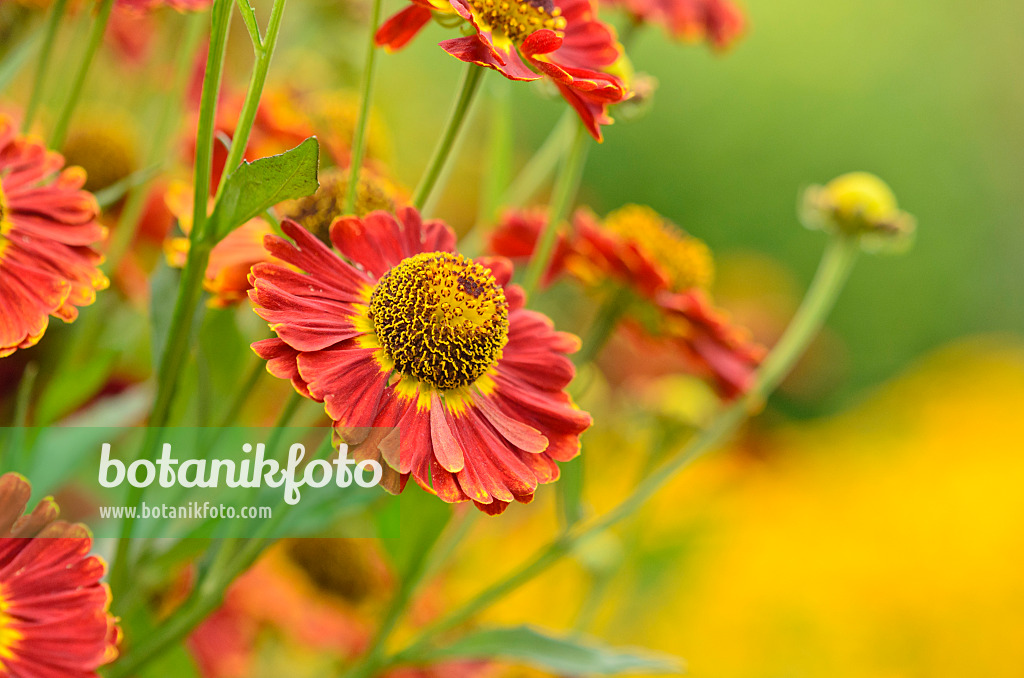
column 47, row 229
column 665, row 275
column 53, row 608
column 463, row 386
column 720, row 22
column 104, row 144
column 562, row 40
column 672, row 271
column 862, row 205
column 317, row 212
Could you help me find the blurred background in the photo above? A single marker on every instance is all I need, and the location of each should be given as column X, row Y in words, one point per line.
column 870, row 521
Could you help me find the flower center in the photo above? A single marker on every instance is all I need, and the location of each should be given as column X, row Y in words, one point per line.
column 317, row 212
column 105, row 150
column 517, row 20
column 687, row 261
column 441, row 318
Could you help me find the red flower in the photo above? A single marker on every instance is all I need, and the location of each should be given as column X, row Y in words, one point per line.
column 527, row 40
column 180, row 5
column 720, row 22
column 463, row 385
column 53, row 609
column 47, row 228
column 636, row 248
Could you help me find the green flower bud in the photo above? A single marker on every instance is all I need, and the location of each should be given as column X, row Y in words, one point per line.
column 858, row 204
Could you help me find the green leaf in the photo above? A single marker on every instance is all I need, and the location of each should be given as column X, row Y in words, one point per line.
column 575, row 656
column 254, row 187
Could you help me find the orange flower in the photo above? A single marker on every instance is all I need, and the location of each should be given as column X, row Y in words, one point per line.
column 47, row 229
column 463, row 386
column 719, row 22
column 666, row 269
column 54, row 621
column 562, row 40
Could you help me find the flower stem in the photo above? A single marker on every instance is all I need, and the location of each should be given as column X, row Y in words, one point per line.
column 832, row 274
column 365, row 105
column 264, row 49
column 562, row 199
column 190, row 290
column 131, row 215
column 232, row 558
column 99, row 27
column 604, row 324
column 470, row 85
column 541, row 166
column 45, row 55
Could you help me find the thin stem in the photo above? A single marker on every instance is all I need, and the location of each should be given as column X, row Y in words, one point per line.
column 470, row 85
column 604, row 324
column 243, row 395
column 99, row 27
column 264, row 55
column 832, row 274
column 131, row 215
column 365, row 104
column 228, row 563
column 538, row 170
column 190, row 290
column 561, row 203
column 45, row 55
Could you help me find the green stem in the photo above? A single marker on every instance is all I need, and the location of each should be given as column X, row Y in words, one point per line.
column 163, row 133
column 828, row 282
column 365, row 105
column 243, row 395
column 264, row 55
column 190, row 290
column 537, row 171
column 604, row 324
column 45, row 55
column 99, row 27
column 563, row 196
column 470, row 85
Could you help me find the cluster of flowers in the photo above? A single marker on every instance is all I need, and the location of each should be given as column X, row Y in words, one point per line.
column 425, row 360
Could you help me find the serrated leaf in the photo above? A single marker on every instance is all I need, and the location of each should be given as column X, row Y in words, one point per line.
column 254, row 187
column 576, row 655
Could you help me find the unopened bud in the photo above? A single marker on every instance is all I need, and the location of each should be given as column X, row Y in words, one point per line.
column 858, row 204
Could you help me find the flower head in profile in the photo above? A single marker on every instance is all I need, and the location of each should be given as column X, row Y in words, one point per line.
column 562, row 40
column 665, row 272
column 720, row 22
column 53, row 607
column 424, row 359
column 47, row 231
column 862, row 205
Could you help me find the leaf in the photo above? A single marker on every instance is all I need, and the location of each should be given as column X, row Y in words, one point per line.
column 254, row 187
column 575, row 656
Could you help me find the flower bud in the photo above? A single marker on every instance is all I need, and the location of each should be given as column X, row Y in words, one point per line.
column 858, row 204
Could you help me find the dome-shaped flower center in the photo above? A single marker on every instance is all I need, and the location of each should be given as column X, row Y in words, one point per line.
column 517, row 20
column 441, row 318
column 317, row 212
column 106, row 151
column 687, row 261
